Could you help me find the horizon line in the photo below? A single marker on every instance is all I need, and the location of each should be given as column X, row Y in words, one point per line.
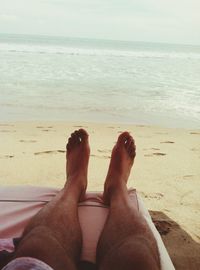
column 101, row 39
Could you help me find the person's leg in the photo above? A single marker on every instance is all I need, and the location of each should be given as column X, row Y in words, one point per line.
column 126, row 241
column 54, row 234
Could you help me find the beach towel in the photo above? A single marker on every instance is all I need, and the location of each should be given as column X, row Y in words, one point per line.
column 19, row 204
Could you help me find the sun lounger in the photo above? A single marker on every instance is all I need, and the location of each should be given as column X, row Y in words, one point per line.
column 19, row 204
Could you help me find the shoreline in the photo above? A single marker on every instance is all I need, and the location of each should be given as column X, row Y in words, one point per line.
column 98, row 122
column 166, row 171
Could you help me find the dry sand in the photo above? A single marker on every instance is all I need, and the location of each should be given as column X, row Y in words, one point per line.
column 166, row 172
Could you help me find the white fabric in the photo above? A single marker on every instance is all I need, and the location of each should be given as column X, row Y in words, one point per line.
column 165, row 261
column 27, row 263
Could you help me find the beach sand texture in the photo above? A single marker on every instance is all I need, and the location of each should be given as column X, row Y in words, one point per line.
column 166, row 172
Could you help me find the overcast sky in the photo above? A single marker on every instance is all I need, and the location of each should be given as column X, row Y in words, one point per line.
column 173, row 21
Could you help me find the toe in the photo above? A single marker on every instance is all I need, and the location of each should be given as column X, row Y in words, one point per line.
column 72, row 140
column 132, row 149
column 131, row 143
column 69, row 144
column 128, row 142
column 83, row 135
column 123, row 138
column 75, row 137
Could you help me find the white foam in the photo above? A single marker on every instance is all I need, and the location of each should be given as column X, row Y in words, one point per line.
column 76, row 51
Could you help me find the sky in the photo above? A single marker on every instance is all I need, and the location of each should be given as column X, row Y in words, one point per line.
column 171, row 21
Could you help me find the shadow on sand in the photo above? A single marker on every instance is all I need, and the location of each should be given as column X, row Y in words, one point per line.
column 183, row 250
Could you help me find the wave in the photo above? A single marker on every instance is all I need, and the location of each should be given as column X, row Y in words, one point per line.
column 76, row 51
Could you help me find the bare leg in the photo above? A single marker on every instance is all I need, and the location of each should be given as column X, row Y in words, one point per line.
column 126, row 241
column 54, row 234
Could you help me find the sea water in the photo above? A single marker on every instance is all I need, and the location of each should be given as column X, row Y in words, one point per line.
column 73, row 79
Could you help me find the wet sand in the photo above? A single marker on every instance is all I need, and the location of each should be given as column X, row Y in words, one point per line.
column 166, row 172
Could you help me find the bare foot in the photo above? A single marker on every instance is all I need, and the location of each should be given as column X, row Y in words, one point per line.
column 78, row 152
column 122, row 159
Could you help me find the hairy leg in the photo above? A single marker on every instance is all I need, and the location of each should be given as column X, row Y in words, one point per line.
column 126, row 241
column 54, row 234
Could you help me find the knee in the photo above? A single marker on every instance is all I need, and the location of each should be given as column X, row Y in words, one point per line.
column 133, row 253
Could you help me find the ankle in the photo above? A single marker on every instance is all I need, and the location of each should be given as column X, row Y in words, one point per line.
column 114, row 189
column 77, row 177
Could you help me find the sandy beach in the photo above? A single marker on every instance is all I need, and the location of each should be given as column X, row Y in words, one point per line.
column 166, row 172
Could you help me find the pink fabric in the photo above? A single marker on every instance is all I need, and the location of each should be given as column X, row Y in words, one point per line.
column 19, row 204
column 7, row 244
column 92, row 219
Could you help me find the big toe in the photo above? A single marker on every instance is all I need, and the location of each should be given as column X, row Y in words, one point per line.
column 122, row 139
column 83, row 135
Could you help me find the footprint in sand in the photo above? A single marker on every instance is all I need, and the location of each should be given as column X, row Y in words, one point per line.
column 195, row 133
column 104, row 151
column 167, row 142
column 141, row 126
column 111, row 127
column 80, row 126
column 155, row 154
column 188, row 176
column 102, row 157
column 7, row 156
column 6, row 130
column 50, row 152
column 153, row 148
column 159, row 154
column 157, row 196
column 195, row 149
column 28, row 141
column 106, row 156
column 44, row 128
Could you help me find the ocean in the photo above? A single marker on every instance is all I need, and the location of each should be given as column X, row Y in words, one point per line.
column 87, row 80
